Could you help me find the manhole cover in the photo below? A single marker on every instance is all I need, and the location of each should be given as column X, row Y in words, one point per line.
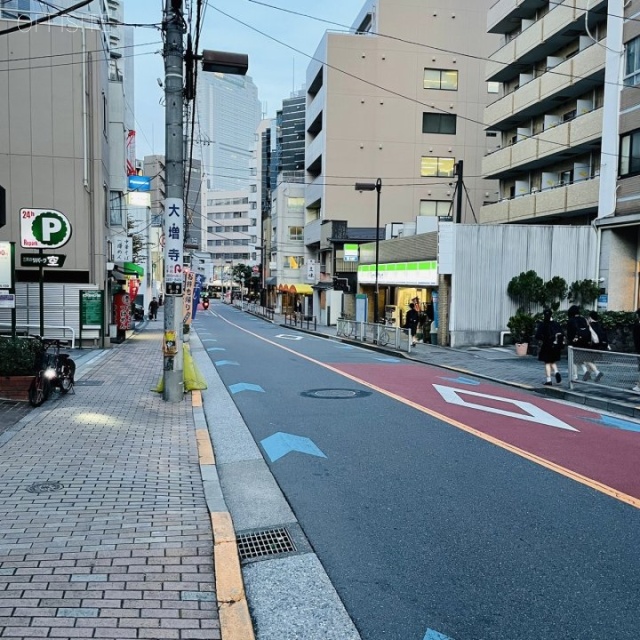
column 335, row 394
column 264, row 543
column 89, row 383
column 45, row 487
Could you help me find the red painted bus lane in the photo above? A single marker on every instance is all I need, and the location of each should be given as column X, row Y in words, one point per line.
column 564, row 435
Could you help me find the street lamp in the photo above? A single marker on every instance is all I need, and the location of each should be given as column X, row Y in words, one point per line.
column 374, row 186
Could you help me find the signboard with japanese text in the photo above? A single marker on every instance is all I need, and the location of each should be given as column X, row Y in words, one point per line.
column 43, row 229
column 187, row 302
column 174, row 245
column 7, row 300
column 122, row 249
column 351, row 252
column 91, row 308
column 200, row 280
column 48, row 260
column 6, row 275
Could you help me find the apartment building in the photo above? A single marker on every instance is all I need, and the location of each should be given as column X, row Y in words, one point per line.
column 231, row 236
column 58, row 148
column 619, row 272
column 281, row 180
column 555, row 72
column 398, row 99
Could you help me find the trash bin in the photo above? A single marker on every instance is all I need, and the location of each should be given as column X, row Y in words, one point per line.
column 434, row 337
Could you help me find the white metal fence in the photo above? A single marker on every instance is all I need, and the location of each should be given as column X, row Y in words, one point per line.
column 611, row 369
column 381, row 334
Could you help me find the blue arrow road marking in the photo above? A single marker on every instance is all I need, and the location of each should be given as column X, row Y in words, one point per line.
column 216, row 349
column 279, row 444
column 344, row 346
column 387, row 359
column 221, row 363
column 245, row 386
column 434, row 635
column 463, row 380
column 617, row 423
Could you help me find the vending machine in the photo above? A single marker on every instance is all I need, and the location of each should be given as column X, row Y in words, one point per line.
column 392, row 315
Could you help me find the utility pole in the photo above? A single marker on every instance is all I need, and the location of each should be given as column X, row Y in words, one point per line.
column 174, row 214
column 459, row 188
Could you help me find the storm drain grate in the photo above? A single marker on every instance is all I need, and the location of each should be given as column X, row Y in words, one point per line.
column 264, row 543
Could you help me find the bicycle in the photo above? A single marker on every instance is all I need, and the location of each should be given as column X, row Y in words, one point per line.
column 54, row 370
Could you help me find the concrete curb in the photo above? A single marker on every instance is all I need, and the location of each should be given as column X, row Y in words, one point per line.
column 235, row 620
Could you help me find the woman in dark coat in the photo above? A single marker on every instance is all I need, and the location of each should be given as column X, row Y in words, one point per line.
column 411, row 322
column 551, row 338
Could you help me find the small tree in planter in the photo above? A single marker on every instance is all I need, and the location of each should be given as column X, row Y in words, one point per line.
column 584, row 292
column 526, row 290
column 522, row 325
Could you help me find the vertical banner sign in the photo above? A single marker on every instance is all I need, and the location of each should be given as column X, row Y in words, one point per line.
column 187, row 301
column 196, row 293
column 173, row 248
column 6, row 276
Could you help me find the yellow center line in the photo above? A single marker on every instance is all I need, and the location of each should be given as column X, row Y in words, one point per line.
column 552, row 466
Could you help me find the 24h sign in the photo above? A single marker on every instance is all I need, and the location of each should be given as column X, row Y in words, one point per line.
column 43, row 229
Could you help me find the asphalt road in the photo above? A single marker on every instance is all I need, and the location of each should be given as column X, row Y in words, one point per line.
column 439, row 504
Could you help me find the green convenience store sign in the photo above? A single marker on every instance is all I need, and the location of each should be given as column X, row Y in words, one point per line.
column 400, row 273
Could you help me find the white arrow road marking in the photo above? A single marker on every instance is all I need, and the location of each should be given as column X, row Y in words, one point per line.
column 285, row 336
column 533, row 413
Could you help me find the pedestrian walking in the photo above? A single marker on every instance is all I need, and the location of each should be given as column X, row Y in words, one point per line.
column 599, row 342
column 578, row 335
column 551, row 338
column 636, row 344
column 411, row 322
column 153, row 309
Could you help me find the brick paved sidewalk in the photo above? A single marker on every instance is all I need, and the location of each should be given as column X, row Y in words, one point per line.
column 104, row 529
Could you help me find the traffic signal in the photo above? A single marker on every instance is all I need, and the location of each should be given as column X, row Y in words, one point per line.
column 3, row 207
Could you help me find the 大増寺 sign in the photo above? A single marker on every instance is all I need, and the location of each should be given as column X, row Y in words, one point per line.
column 43, row 229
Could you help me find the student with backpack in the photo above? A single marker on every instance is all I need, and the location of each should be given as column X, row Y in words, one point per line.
column 578, row 335
column 551, row 338
column 599, row 342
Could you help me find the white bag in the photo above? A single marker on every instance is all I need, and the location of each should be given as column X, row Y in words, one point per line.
column 594, row 336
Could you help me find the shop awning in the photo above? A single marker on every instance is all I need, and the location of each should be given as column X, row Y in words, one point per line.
column 301, row 289
column 284, row 288
column 271, row 281
column 133, row 269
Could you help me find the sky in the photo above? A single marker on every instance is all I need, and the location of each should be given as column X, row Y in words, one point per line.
column 275, row 67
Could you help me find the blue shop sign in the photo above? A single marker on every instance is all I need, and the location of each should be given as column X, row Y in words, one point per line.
column 139, row 183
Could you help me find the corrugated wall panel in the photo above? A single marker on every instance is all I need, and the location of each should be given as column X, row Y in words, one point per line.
column 61, row 308
column 487, row 257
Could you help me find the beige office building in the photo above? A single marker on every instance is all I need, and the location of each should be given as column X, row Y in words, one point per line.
column 550, row 157
column 401, row 98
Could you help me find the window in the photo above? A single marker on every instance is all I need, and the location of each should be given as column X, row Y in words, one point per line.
column 435, row 207
column 432, row 166
column 294, row 262
column 295, row 204
column 296, row 233
column 632, row 63
column 439, row 123
column 493, row 87
column 443, row 79
column 630, row 153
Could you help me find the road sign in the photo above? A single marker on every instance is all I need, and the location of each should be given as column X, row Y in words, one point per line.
column 43, row 229
column 46, row 260
column 6, row 264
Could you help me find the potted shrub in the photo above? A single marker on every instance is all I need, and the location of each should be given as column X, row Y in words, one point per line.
column 522, row 325
column 17, row 362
